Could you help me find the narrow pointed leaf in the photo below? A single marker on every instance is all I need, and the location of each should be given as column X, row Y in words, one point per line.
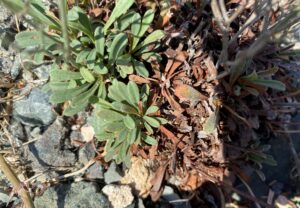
column 151, row 121
column 121, row 8
column 117, row 46
column 150, row 140
column 151, row 109
column 100, row 41
column 140, row 68
column 87, row 75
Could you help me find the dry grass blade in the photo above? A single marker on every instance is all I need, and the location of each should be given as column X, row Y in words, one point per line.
column 16, row 183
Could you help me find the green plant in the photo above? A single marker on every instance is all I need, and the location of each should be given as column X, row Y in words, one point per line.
column 122, row 121
column 96, row 51
column 258, row 82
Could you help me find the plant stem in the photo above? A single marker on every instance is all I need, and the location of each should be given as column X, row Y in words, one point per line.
column 64, row 27
column 5, row 168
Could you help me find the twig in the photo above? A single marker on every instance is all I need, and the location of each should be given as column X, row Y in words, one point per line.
column 237, row 115
column 254, row 199
column 5, row 168
column 82, row 170
column 249, row 190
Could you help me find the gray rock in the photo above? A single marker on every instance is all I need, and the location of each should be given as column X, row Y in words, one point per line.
column 5, row 15
column 35, row 110
column 4, row 199
column 16, row 68
column 17, row 130
column 48, row 150
column 75, row 195
column 112, row 175
column 141, row 203
column 86, row 153
column 42, row 71
column 7, row 38
column 6, row 61
column 95, row 171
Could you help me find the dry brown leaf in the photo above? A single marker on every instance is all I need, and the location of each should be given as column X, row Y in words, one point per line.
column 192, row 182
column 175, row 62
column 187, row 93
column 138, row 79
column 87, row 133
column 175, row 106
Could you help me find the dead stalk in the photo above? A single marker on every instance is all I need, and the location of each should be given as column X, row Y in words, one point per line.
column 5, row 168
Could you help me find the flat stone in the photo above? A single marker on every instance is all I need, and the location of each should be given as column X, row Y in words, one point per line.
column 75, row 195
column 34, row 110
column 95, row 171
column 86, row 153
column 48, row 150
column 112, row 175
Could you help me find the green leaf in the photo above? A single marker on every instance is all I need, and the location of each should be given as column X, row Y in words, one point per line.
column 129, row 122
column 150, row 56
column 85, row 96
column 54, row 86
column 151, row 109
column 91, row 58
column 100, row 68
column 114, row 127
column 121, row 8
column 87, row 75
column 147, row 20
column 152, row 37
column 82, row 24
column 268, row 72
column 117, row 47
column 162, row 121
column 102, row 136
column 151, row 121
column 63, row 75
column 140, row 68
column 125, row 20
column 148, row 128
column 109, row 115
column 60, row 96
column 100, row 41
column 117, row 91
column 73, row 15
column 145, row 91
column 82, row 56
column 72, row 84
column 103, row 104
column 133, row 93
column 135, row 29
column 150, row 140
column 124, row 108
column 124, row 65
column 73, row 109
column 132, row 135
column 124, row 70
column 277, row 85
column 33, row 39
